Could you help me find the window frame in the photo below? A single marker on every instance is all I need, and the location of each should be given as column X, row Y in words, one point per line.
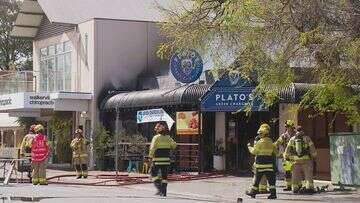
column 66, row 50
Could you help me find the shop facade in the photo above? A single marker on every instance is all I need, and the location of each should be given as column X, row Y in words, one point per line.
column 98, row 66
column 79, row 53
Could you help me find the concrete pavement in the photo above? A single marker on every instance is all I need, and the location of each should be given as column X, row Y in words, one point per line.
column 226, row 189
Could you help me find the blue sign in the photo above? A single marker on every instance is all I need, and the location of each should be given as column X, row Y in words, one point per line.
column 231, row 94
column 186, row 66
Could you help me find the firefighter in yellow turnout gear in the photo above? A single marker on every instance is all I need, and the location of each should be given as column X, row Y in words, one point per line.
column 301, row 152
column 80, row 154
column 282, row 143
column 263, row 186
column 25, row 147
column 264, row 151
column 159, row 152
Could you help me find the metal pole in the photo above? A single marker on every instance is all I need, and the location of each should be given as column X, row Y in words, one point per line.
column 117, row 131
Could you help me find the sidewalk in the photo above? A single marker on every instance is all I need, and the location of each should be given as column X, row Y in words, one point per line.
column 215, row 188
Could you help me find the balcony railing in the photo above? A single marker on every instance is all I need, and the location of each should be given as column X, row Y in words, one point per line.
column 32, row 81
column 17, row 81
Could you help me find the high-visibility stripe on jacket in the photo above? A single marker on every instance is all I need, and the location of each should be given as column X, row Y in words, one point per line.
column 39, row 148
column 264, row 151
column 79, row 147
column 308, row 150
column 160, row 149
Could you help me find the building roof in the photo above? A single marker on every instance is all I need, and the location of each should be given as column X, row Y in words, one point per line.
column 28, row 19
column 78, row 11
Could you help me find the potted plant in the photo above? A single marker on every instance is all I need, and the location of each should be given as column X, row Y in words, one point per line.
column 219, row 151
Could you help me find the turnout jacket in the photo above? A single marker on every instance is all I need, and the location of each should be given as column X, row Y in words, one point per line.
column 160, row 149
column 264, row 151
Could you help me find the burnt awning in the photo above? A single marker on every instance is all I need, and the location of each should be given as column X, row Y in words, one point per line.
column 187, row 94
column 294, row 92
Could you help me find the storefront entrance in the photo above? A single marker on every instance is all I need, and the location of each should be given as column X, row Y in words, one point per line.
column 241, row 130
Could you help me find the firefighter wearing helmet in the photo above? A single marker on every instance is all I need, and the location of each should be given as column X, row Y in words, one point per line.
column 264, row 151
column 263, row 187
column 25, row 148
column 39, row 154
column 301, row 152
column 80, row 154
column 282, row 143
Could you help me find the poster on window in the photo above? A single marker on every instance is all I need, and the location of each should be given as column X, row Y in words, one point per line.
column 187, row 123
column 345, row 158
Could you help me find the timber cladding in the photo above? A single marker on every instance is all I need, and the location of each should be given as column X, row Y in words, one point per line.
column 48, row 29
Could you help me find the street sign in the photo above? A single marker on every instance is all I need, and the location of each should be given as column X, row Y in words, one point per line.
column 186, row 66
column 154, row 115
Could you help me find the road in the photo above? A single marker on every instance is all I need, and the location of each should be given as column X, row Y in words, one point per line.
column 225, row 190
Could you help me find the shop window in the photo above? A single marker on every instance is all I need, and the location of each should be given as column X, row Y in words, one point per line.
column 55, row 67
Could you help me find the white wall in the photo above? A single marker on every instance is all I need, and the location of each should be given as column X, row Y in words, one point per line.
column 220, row 127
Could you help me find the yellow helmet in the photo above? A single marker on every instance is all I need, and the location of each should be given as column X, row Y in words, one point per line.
column 265, row 125
column 289, row 124
column 264, row 130
column 78, row 131
column 38, row 128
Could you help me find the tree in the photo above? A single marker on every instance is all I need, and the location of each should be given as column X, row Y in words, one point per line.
column 267, row 38
column 14, row 52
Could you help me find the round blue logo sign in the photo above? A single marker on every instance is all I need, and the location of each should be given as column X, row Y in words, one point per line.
column 186, row 66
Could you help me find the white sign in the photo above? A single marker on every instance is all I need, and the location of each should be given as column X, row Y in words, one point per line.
column 154, row 115
column 26, row 100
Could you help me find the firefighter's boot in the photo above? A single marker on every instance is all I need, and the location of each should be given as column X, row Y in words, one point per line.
column 272, row 194
column 163, row 189
column 157, row 184
column 252, row 193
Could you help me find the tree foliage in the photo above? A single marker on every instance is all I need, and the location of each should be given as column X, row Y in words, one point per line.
column 61, row 126
column 268, row 38
column 15, row 53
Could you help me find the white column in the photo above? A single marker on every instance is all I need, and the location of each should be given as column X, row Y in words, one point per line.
column 2, row 138
column 15, row 134
column 220, row 130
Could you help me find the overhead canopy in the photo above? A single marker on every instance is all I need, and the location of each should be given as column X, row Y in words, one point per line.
column 294, row 92
column 28, row 19
column 188, row 94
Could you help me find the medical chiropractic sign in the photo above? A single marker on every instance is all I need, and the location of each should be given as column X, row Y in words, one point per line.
column 186, row 66
column 230, row 94
column 26, row 100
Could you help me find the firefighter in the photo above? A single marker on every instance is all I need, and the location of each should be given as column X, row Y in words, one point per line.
column 25, row 147
column 80, row 154
column 159, row 152
column 264, row 151
column 39, row 154
column 281, row 143
column 301, row 152
column 263, row 182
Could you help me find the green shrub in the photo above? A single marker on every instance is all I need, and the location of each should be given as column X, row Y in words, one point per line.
column 61, row 126
column 101, row 145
